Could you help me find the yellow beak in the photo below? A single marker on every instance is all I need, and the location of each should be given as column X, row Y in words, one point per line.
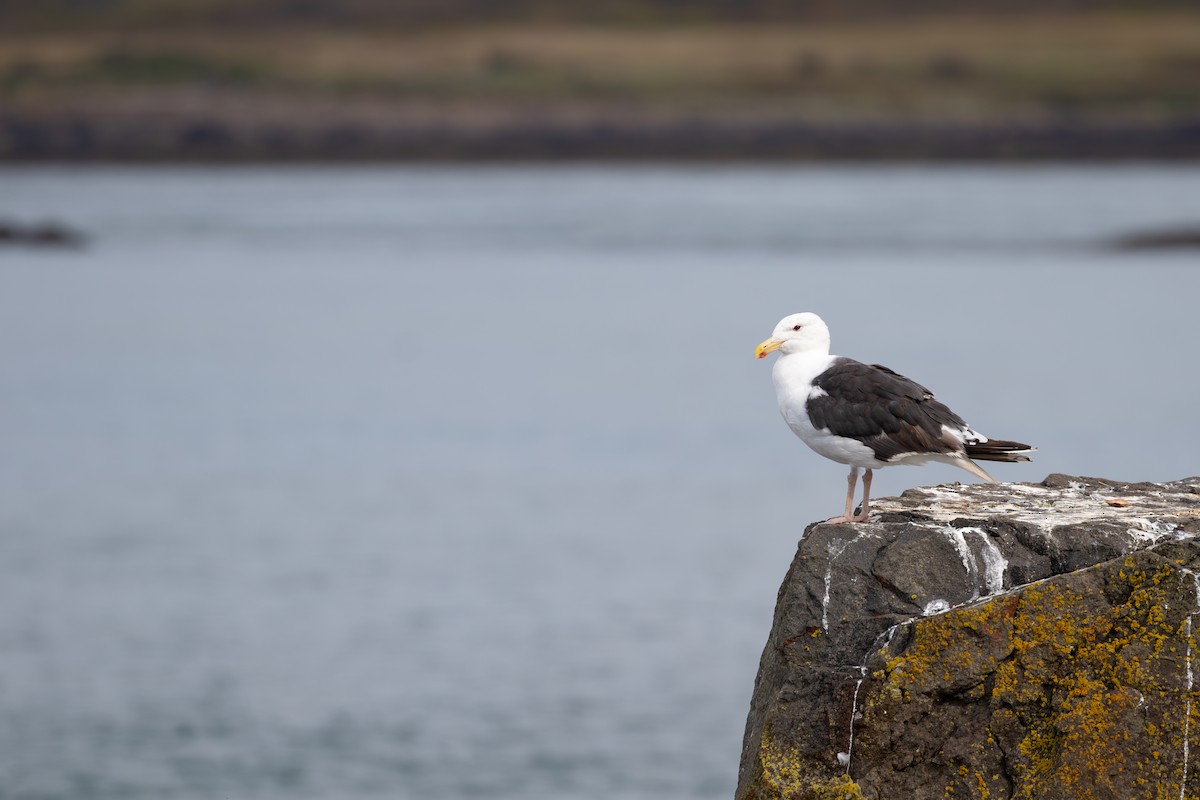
column 769, row 346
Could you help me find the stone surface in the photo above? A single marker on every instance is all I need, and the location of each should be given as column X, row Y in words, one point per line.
column 988, row 641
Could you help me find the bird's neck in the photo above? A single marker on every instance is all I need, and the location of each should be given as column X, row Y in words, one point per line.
column 801, row 366
column 812, row 353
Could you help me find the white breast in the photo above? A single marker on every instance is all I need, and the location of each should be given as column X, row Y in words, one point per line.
column 793, row 375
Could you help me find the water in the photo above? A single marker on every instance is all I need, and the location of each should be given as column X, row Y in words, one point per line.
column 463, row 482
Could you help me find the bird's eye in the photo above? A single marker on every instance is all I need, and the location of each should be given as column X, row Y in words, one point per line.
column 795, row 327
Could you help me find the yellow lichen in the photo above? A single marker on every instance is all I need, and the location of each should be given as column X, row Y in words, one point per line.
column 781, row 774
column 784, row 774
column 1075, row 668
column 841, row 787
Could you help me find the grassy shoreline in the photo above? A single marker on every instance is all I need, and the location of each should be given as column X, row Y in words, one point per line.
column 1085, row 84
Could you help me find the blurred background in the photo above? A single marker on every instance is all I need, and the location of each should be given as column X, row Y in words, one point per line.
column 378, row 412
column 714, row 79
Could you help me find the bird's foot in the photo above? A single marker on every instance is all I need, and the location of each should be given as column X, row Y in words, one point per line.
column 851, row 518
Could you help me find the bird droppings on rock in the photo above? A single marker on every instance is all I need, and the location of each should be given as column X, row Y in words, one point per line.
column 1071, row 500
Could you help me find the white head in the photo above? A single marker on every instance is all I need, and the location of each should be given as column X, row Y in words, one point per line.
column 797, row 333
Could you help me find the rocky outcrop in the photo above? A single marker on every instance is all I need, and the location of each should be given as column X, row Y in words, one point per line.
column 1035, row 641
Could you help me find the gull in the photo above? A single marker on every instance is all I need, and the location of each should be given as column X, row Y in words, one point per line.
column 866, row 415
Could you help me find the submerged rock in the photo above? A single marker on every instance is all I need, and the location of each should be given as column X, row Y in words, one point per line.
column 988, row 641
column 1168, row 238
column 49, row 233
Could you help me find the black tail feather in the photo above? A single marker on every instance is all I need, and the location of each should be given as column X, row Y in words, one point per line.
column 999, row 450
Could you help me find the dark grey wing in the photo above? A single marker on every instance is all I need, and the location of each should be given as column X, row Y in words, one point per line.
column 882, row 409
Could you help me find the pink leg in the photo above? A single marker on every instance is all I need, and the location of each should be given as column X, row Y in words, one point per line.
column 866, row 504
column 851, row 480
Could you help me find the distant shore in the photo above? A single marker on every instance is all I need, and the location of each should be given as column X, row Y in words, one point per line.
column 1059, row 83
column 410, row 136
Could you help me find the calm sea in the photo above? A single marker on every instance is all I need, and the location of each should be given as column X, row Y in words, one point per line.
column 442, row 483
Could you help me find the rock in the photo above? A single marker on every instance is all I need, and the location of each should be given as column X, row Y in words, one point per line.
column 1168, row 238
column 987, row 641
column 51, row 234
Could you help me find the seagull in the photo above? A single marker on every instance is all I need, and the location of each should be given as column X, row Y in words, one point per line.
column 866, row 415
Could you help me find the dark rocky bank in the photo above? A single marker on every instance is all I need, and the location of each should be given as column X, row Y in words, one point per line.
column 1033, row 641
column 278, row 131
